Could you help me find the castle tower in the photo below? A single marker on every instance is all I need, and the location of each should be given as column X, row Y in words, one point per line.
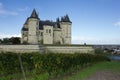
column 66, row 29
column 33, row 23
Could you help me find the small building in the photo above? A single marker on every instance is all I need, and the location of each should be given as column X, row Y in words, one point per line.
column 37, row 31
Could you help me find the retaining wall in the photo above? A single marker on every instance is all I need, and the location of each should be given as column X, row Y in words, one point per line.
column 70, row 49
column 46, row 49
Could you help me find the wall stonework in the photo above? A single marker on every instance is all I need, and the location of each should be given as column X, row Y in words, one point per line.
column 19, row 48
column 69, row 49
column 57, row 36
column 48, row 35
column 46, row 49
column 32, row 31
column 66, row 32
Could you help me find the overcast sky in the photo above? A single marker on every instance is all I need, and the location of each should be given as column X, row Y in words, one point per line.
column 93, row 21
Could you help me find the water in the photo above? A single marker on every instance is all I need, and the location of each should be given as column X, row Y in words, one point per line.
column 114, row 57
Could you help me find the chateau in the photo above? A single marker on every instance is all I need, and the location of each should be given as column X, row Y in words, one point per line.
column 37, row 31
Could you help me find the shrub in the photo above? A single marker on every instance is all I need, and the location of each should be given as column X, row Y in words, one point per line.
column 50, row 63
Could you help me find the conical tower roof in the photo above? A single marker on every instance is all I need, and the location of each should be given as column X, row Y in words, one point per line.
column 34, row 14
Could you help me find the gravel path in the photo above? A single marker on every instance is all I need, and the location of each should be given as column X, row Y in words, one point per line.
column 104, row 75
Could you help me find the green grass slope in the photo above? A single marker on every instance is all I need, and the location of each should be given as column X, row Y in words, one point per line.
column 82, row 74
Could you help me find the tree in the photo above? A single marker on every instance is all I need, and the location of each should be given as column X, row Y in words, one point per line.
column 15, row 40
column 0, row 41
column 5, row 41
column 12, row 40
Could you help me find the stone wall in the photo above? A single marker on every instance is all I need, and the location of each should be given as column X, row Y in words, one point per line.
column 69, row 49
column 19, row 48
column 46, row 49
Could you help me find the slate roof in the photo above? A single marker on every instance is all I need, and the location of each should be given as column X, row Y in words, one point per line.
column 24, row 29
column 34, row 14
column 47, row 22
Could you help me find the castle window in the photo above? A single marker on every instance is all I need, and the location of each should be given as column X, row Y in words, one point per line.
column 37, row 23
column 50, row 31
column 46, row 30
column 41, row 33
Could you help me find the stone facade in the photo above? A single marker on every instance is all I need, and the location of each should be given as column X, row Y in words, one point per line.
column 36, row 31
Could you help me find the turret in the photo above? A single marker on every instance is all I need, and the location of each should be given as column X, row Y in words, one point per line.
column 66, row 25
column 34, row 14
column 65, row 19
column 33, row 23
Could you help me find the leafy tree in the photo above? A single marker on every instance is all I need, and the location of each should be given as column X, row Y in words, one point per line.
column 12, row 40
column 15, row 40
column 5, row 41
column 0, row 41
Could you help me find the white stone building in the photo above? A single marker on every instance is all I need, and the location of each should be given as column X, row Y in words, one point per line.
column 37, row 31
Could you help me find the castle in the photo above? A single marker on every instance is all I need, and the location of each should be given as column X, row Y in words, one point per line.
column 37, row 31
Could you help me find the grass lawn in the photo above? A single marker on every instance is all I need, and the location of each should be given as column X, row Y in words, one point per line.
column 81, row 75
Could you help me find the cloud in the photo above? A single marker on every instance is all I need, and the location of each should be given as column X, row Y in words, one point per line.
column 9, row 35
column 117, row 24
column 11, row 13
column 6, row 12
column 24, row 9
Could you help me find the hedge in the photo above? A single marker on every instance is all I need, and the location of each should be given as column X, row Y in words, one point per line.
column 50, row 63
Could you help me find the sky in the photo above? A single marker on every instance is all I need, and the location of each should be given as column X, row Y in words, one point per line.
column 93, row 21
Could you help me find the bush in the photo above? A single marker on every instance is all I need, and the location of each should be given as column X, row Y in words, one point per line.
column 50, row 63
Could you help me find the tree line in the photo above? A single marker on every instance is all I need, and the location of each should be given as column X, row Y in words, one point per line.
column 12, row 40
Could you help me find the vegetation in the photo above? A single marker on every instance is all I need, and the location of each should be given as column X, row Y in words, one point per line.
column 45, row 65
column 12, row 40
column 99, row 51
column 81, row 75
